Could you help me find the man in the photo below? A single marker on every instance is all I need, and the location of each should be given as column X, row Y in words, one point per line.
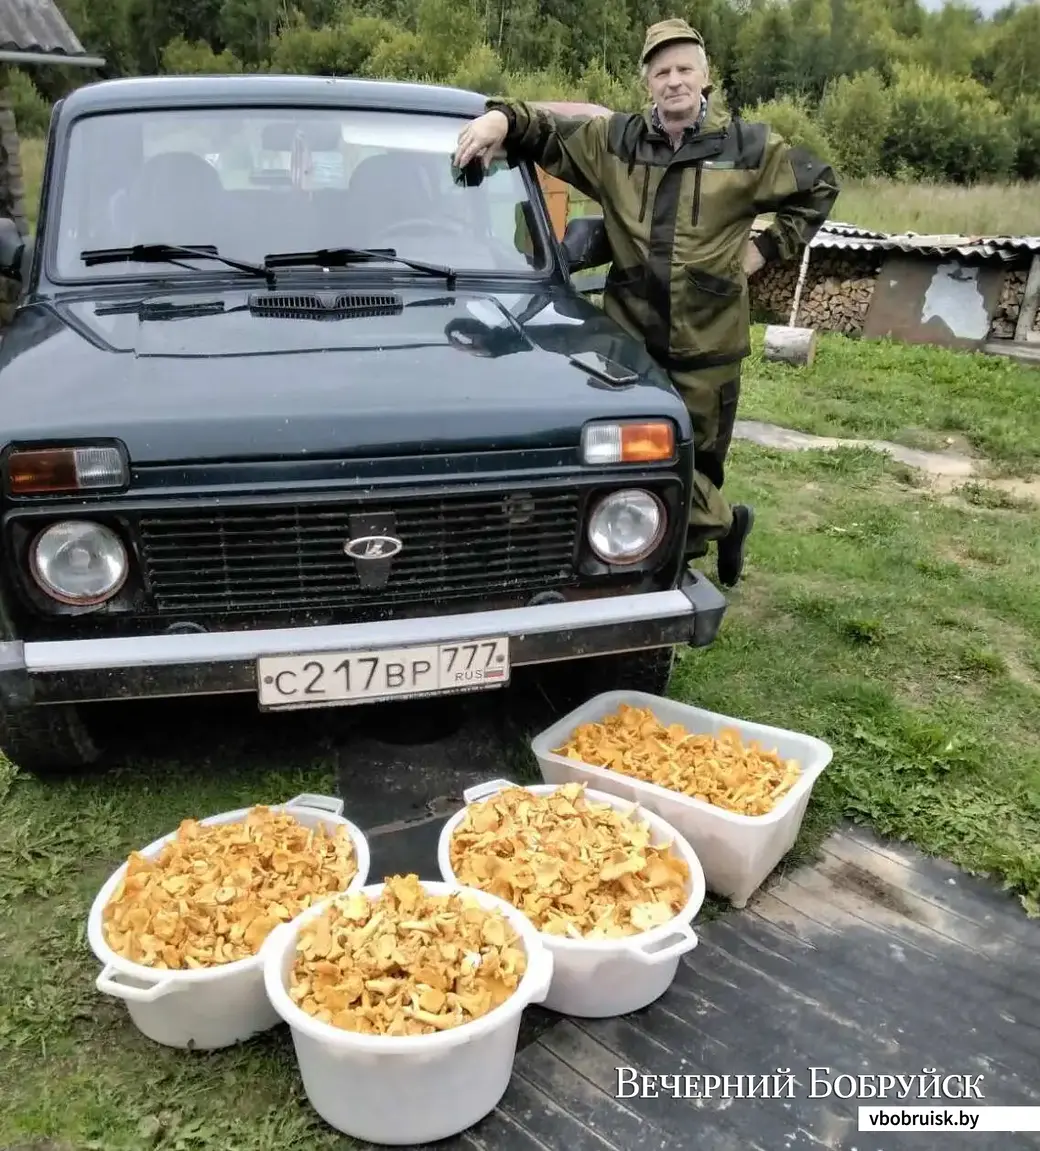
column 680, row 187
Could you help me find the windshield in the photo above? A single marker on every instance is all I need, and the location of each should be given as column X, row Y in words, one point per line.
column 254, row 182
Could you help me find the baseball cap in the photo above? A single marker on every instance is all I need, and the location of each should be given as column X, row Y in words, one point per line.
column 668, row 32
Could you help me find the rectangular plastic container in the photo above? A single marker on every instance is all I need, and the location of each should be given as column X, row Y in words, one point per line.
column 737, row 852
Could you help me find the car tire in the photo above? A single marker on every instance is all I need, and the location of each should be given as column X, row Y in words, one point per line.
column 47, row 740
column 565, row 686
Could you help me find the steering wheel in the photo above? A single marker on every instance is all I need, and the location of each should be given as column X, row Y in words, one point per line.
column 418, row 223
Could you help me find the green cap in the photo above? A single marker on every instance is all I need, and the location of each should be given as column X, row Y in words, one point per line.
column 668, row 32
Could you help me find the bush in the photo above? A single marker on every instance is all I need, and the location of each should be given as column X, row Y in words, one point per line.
column 403, row 57
column 480, row 71
column 545, row 85
column 184, row 58
column 1025, row 124
column 32, row 113
column 341, row 49
column 791, row 118
column 855, row 114
column 947, row 128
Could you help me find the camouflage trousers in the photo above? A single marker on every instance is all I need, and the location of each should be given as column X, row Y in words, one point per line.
column 711, row 397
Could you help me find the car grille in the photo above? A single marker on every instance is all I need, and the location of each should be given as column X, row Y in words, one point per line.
column 292, row 557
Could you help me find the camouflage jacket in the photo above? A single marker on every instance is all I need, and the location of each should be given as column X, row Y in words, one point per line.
column 678, row 220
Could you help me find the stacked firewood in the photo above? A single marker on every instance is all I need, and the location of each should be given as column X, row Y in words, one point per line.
column 772, row 291
column 1005, row 318
column 835, row 296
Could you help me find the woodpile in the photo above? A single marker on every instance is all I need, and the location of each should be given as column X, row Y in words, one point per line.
column 772, row 290
column 835, row 297
column 1002, row 326
column 837, row 294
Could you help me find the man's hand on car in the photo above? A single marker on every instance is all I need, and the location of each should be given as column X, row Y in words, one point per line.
column 481, row 137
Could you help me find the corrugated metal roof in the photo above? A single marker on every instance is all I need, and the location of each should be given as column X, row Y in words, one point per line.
column 37, row 26
column 852, row 230
column 848, row 237
column 1004, row 248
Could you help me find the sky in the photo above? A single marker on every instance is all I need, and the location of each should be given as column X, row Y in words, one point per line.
column 986, row 7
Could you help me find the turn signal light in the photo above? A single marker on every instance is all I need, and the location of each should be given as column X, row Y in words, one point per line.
column 628, row 442
column 51, row 471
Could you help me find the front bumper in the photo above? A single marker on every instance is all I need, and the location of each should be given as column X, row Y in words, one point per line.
column 211, row 663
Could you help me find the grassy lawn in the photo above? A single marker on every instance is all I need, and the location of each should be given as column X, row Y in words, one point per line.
column 916, row 395
column 1011, row 209
column 888, row 206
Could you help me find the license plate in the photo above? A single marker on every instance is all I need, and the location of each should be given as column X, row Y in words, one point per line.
column 325, row 679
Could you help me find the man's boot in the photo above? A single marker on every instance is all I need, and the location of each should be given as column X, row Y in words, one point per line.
column 730, row 562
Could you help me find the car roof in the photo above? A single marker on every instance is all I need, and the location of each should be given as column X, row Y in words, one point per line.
column 143, row 92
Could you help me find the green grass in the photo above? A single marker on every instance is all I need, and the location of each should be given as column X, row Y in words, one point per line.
column 912, row 394
column 899, row 623
column 1011, row 209
column 883, row 205
column 907, row 626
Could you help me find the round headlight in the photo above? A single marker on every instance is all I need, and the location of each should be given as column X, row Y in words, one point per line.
column 78, row 562
column 626, row 526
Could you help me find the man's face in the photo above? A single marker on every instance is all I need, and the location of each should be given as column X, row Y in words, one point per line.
column 676, row 78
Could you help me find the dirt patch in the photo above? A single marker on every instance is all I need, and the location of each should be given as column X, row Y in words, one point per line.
column 1019, row 672
column 1007, row 494
column 40, row 1145
column 872, row 887
column 947, row 471
column 947, row 463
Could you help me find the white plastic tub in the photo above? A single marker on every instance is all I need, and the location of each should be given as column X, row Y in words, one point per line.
column 211, row 1007
column 738, row 852
column 408, row 1089
column 598, row 978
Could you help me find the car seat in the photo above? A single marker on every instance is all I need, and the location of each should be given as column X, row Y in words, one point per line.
column 177, row 199
column 393, row 186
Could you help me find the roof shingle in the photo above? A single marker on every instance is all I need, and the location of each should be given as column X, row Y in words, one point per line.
column 36, row 26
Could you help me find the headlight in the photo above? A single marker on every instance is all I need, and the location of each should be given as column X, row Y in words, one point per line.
column 79, row 563
column 626, row 526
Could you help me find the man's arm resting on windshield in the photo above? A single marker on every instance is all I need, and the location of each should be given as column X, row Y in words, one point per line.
column 571, row 148
column 801, row 189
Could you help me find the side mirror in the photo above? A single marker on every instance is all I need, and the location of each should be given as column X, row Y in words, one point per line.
column 585, row 243
column 12, row 248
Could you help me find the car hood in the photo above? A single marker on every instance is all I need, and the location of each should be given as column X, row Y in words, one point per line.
column 235, row 375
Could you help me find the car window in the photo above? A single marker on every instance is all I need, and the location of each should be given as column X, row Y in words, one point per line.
column 255, row 182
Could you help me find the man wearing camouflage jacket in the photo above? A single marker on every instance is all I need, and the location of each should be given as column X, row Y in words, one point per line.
column 680, row 187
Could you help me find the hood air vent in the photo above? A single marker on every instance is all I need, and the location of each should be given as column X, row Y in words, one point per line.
column 328, row 306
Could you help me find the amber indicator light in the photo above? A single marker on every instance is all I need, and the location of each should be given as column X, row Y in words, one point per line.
column 37, row 472
column 642, row 443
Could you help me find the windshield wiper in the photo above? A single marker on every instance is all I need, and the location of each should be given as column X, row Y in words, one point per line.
column 170, row 254
column 341, row 257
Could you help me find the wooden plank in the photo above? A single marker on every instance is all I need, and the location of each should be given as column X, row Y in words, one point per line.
column 1030, row 302
column 932, row 300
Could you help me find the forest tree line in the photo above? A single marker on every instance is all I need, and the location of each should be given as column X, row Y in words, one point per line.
column 882, row 87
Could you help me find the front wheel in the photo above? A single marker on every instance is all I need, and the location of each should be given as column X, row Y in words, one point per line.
column 51, row 739
column 565, row 686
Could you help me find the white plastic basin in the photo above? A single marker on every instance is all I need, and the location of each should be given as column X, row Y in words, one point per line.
column 597, row 978
column 738, row 851
column 408, row 1089
column 212, row 1007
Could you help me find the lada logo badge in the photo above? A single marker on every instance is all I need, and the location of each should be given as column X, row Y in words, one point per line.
column 373, row 547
